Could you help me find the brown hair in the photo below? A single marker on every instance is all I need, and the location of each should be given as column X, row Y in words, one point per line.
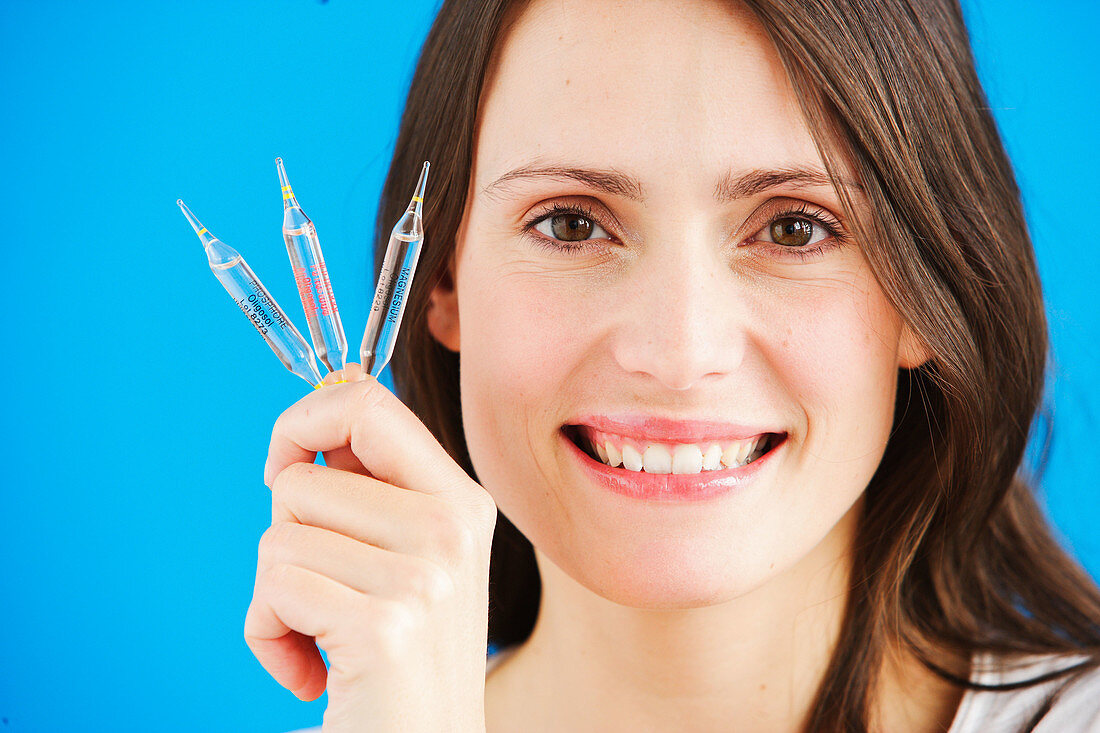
column 954, row 555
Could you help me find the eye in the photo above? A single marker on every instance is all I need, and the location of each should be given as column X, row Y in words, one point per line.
column 794, row 231
column 800, row 232
column 570, row 226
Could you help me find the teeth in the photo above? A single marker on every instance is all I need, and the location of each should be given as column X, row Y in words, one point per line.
column 681, row 458
column 737, row 453
column 614, row 457
column 729, row 455
column 657, row 459
column 686, row 459
column 632, row 459
column 712, row 459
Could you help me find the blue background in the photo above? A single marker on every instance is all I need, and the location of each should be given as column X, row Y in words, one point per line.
column 138, row 402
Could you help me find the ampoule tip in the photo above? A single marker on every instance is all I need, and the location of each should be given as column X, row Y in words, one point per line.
column 417, row 202
column 284, row 183
column 195, row 223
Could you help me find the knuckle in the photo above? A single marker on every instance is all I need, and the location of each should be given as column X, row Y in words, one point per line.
column 284, row 423
column 389, row 630
column 369, row 398
column 427, row 583
column 276, row 539
column 290, row 478
column 485, row 511
column 278, row 576
column 454, row 538
column 281, row 422
column 368, row 395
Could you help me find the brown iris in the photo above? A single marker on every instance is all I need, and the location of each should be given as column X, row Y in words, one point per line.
column 570, row 227
column 791, row 232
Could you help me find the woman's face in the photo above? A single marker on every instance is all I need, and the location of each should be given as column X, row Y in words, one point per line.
column 619, row 261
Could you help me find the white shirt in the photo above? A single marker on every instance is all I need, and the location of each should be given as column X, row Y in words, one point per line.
column 1077, row 709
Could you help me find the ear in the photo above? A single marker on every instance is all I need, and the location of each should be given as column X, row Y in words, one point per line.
column 912, row 352
column 443, row 311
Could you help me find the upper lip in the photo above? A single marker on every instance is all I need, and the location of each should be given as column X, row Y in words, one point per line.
column 651, row 427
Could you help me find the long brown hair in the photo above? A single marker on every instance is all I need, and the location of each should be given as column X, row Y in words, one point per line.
column 954, row 555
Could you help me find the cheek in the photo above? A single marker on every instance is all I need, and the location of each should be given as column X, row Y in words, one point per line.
column 520, row 335
column 835, row 349
column 518, row 351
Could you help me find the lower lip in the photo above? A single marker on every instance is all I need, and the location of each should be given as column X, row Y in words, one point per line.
column 670, row 487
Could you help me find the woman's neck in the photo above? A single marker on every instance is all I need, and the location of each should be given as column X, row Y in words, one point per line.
column 753, row 663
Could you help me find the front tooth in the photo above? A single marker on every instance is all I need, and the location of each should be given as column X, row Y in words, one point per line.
column 614, row 457
column 657, row 459
column 632, row 459
column 712, row 459
column 601, row 452
column 687, row 459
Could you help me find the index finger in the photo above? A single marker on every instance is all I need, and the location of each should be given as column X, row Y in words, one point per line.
column 383, row 433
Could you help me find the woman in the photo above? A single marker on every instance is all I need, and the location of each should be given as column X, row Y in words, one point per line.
column 751, row 339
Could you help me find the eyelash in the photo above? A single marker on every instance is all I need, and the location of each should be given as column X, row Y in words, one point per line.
column 556, row 245
column 835, row 230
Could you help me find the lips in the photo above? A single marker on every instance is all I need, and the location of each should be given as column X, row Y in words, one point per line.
column 672, row 487
column 664, row 430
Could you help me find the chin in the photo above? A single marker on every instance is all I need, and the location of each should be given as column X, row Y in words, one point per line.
column 666, row 575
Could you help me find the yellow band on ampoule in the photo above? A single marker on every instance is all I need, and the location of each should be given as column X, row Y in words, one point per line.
column 417, row 198
column 202, row 231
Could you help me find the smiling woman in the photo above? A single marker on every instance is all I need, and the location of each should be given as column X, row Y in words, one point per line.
column 751, row 340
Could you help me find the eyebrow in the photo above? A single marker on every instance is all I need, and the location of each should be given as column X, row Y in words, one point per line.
column 733, row 186
column 758, row 180
column 609, row 181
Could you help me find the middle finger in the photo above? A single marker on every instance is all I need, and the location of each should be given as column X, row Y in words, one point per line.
column 360, row 507
column 357, row 565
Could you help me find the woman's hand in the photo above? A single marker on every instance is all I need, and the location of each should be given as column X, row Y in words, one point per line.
column 381, row 559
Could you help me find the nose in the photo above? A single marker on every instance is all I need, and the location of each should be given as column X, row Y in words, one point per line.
column 680, row 320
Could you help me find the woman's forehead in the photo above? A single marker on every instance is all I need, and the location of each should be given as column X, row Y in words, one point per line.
column 660, row 89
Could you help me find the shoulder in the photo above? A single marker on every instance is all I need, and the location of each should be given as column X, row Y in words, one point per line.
column 1074, row 699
